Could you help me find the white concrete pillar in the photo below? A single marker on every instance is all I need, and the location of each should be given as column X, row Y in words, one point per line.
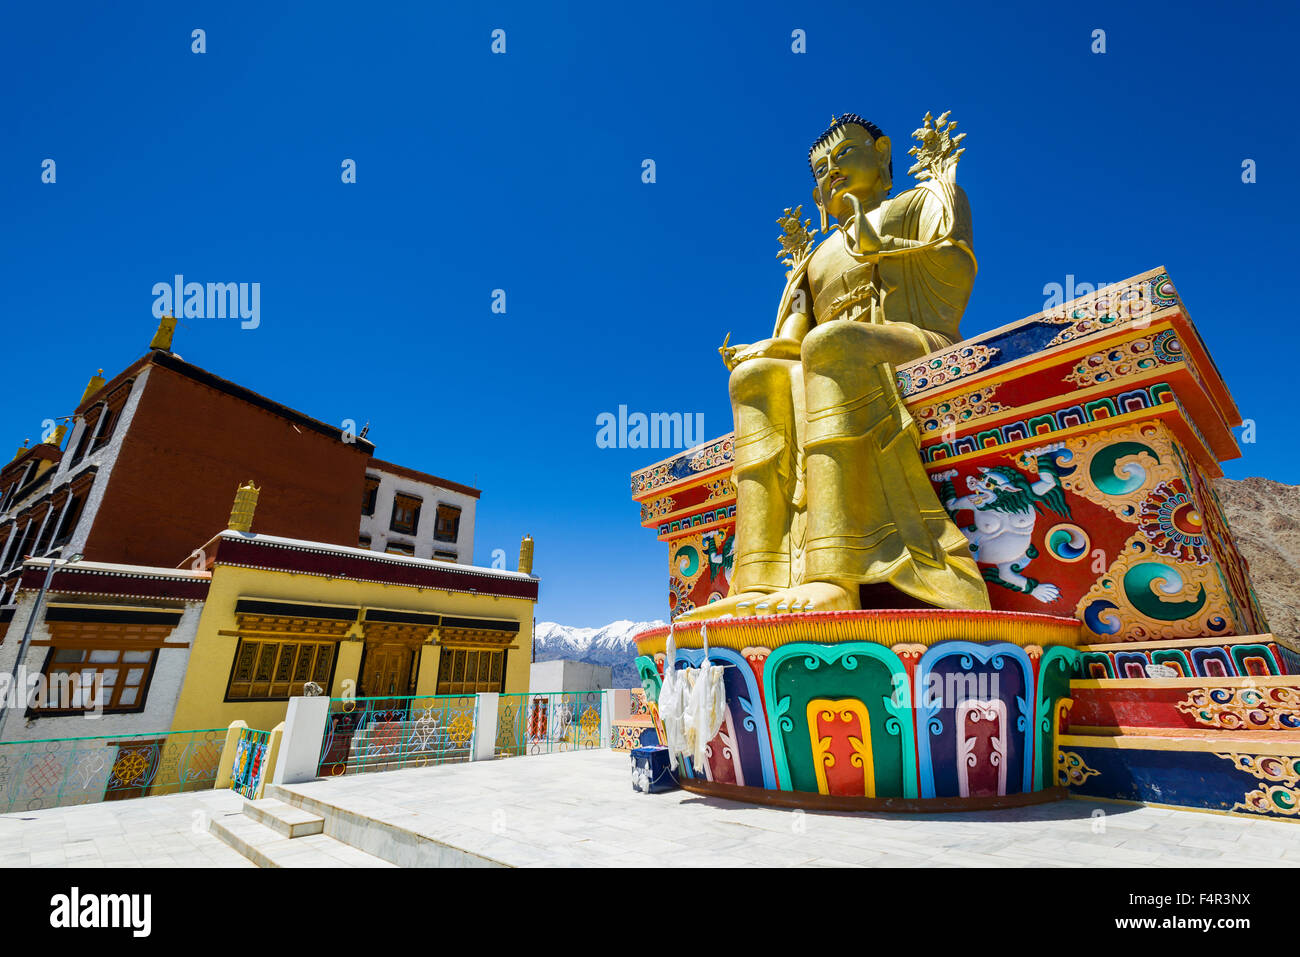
column 304, row 735
column 606, row 716
column 484, row 746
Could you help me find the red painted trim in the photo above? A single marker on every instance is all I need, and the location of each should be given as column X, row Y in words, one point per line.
column 379, row 568
column 114, row 583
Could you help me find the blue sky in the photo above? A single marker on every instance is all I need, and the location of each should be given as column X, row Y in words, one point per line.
column 522, row 172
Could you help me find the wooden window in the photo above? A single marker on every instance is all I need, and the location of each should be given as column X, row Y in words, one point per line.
column 46, row 540
column 447, row 526
column 274, row 670
column 16, row 556
column 446, row 556
column 124, row 675
column 406, row 514
column 369, row 495
column 70, row 518
column 400, row 548
column 110, row 417
column 363, row 541
column 87, row 430
column 470, row 670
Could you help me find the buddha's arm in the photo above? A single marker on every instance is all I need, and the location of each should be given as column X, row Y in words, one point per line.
column 788, row 340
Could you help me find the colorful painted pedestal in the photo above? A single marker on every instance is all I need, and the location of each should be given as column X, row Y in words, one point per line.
column 880, row 710
column 1102, row 423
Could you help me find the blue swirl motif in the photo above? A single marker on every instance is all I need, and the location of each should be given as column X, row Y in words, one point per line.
column 1067, row 542
column 1102, row 617
column 783, row 719
column 1058, row 458
column 967, row 662
column 812, row 663
column 997, row 661
column 1022, row 722
column 934, row 725
column 849, row 662
column 893, row 727
column 749, row 721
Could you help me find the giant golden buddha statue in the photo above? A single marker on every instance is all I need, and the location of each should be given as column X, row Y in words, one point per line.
column 834, row 510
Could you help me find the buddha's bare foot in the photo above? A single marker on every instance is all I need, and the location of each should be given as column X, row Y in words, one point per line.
column 811, row 596
column 723, row 606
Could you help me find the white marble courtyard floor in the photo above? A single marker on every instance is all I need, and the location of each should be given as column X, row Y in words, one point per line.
column 580, row 809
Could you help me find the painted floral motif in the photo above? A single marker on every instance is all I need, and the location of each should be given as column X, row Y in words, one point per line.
column 1271, row 799
column 1281, row 774
column 720, row 488
column 1070, row 769
column 1275, row 768
column 956, row 411
column 1172, row 521
column 656, row 508
column 1127, row 359
column 1244, row 709
column 1113, row 306
column 712, row 456
column 927, row 373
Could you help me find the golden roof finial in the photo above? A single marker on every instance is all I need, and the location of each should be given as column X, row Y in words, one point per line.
column 526, row 555
column 241, row 514
column 94, row 385
column 162, row 339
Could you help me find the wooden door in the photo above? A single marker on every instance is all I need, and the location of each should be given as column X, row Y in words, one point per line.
column 388, row 671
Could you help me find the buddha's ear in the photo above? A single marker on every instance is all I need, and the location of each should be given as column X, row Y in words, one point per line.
column 821, row 207
column 883, row 149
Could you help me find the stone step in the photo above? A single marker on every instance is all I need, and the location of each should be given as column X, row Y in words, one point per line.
column 290, row 821
column 267, row 847
column 384, row 838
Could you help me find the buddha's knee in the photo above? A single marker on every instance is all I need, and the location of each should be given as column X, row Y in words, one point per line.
column 756, row 380
column 836, row 344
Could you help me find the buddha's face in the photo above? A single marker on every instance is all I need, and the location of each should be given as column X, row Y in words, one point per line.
column 851, row 162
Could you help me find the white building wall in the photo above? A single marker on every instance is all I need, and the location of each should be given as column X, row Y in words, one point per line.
column 431, row 496
column 560, row 675
column 164, row 688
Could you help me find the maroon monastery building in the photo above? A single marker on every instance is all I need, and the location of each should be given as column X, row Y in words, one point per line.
column 153, row 458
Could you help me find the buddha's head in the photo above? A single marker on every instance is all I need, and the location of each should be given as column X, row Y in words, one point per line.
column 852, row 156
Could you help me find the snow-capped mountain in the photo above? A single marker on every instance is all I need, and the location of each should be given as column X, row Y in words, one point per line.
column 613, row 645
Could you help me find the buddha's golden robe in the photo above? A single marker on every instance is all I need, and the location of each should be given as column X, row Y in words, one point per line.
column 830, row 484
